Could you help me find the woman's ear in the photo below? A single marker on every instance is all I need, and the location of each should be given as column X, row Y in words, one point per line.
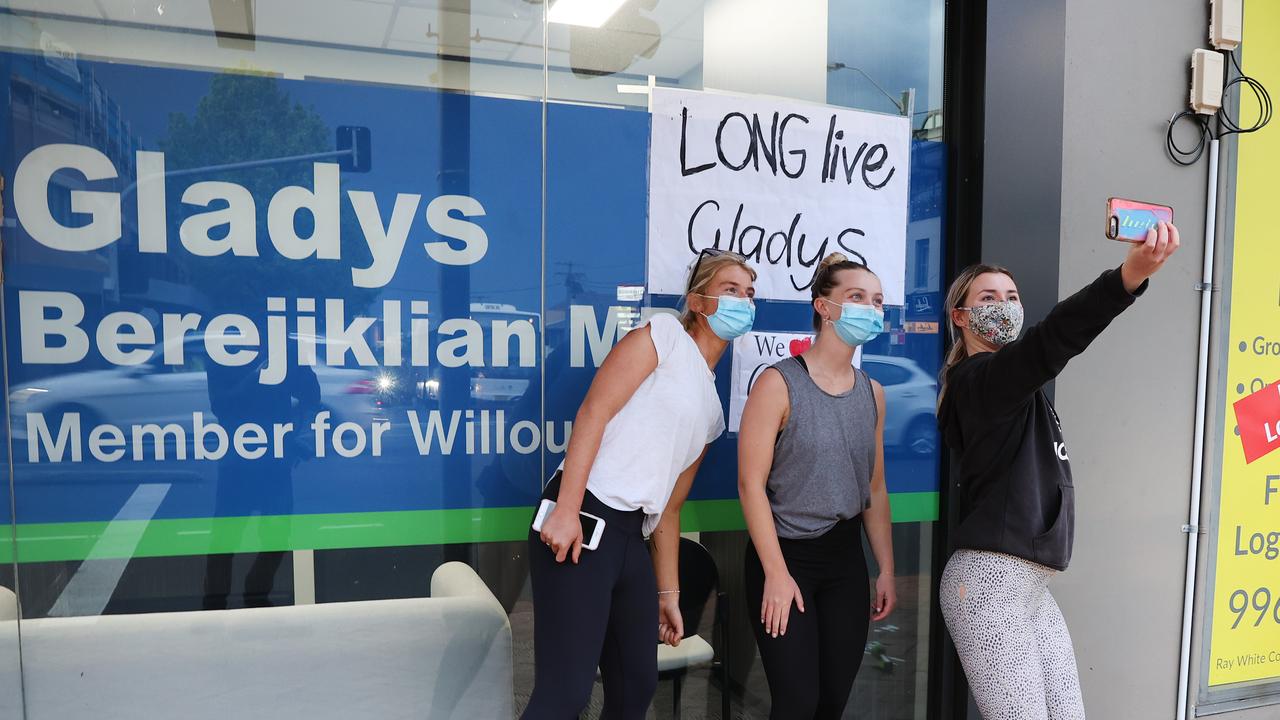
column 701, row 305
column 960, row 318
column 819, row 307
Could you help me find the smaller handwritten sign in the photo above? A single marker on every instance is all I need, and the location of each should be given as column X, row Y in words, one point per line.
column 753, row 353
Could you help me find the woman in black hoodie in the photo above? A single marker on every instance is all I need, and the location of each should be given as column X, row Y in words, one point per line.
column 1013, row 480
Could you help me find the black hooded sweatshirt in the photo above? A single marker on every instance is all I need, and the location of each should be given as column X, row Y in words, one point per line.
column 1011, row 472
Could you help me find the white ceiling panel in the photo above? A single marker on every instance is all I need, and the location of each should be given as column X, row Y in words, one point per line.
column 74, row 8
column 188, row 14
column 519, row 10
column 486, row 37
column 498, row 30
column 341, row 22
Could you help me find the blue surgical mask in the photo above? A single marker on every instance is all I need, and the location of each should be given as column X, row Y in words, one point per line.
column 858, row 324
column 733, row 317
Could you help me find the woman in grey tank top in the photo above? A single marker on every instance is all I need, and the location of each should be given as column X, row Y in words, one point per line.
column 811, row 477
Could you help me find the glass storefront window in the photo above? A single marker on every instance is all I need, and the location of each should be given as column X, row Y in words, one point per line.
column 301, row 301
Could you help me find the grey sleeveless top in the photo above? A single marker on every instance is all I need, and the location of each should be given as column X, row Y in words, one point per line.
column 824, row 456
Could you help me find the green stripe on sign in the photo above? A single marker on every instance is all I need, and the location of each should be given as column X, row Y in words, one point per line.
column 49, row 542
column 712, row 515
column 914, row 507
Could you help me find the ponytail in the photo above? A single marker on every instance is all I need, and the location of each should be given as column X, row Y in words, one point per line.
column 824, row 277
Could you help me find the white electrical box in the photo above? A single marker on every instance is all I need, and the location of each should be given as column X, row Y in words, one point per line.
column 1206, row 81
column 1226, row 23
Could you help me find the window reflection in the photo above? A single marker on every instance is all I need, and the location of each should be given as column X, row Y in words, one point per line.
column 451, row 96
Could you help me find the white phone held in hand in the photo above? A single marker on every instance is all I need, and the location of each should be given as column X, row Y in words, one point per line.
column 592, row 526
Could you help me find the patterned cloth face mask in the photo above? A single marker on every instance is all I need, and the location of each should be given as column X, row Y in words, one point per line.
column 998, row 323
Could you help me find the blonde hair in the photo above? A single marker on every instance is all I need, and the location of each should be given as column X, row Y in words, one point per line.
column 824, row 277
column 706, row 269
column 956, row 295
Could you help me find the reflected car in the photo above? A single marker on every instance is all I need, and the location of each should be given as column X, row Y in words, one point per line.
column 154, row 392
column 911, row 397
column 492, row 384
column 484, row 388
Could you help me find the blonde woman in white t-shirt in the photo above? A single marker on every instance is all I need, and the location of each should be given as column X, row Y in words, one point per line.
column 637, row 441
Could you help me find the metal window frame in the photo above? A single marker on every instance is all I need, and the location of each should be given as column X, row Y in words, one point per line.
column 964, row 97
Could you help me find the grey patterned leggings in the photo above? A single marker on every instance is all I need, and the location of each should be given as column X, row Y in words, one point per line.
column 1011, row 637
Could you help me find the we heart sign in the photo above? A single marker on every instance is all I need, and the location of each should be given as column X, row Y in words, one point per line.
column 753, row 353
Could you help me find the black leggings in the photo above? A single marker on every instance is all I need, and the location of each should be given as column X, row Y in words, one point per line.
column 602, row 612
column 811, row 668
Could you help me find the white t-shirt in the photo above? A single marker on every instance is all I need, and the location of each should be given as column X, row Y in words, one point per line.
column 661, row 430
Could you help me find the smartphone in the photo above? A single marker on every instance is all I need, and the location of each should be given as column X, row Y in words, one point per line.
column 1129, row 220
column 592, row 526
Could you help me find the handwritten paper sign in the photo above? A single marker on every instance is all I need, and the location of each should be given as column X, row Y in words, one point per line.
column 781, row 182
column 753, row 353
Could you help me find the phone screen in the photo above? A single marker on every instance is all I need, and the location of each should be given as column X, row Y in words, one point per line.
column 1134, row 224
column 1130, row 220
column 588, row 527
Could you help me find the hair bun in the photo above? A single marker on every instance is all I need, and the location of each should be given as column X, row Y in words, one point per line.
column 832, row 259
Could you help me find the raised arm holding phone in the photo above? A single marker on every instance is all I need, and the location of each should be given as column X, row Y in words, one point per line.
column 1013, row 474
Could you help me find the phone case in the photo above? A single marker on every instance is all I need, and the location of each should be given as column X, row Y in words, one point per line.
column 588, row 543
column 544, row 509
column 1129, row 220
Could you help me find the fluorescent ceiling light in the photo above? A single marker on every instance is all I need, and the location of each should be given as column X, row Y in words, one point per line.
column 587, row 13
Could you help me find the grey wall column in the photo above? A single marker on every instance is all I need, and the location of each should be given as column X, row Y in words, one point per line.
column 1022, row 179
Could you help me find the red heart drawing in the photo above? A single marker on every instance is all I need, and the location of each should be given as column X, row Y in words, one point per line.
column 799, row 345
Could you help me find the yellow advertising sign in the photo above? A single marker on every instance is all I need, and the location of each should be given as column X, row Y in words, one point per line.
column 1245, row 639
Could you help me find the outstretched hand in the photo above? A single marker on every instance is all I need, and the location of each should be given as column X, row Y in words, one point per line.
column 1147, row 257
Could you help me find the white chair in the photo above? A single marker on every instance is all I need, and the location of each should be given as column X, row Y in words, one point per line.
column 699, row 581
column 8, row 604
column 447, row 656
column 10, row 670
